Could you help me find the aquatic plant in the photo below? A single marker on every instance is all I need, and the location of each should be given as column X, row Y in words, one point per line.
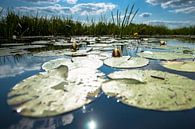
column 55, row 92
column 126, row 20
column 150, row 89
column 185, row 66
column 75, row 62
column 126, row 62
column 15, row 24
column 164, row 55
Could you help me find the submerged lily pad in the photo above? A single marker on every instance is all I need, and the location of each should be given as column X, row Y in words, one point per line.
column 126, row 62
column 76, row 62
column 164, row 55
column 186, row 66
column 150, row 89
column 55, row 92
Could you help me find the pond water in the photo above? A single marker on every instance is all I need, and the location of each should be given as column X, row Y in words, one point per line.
column 103, row 113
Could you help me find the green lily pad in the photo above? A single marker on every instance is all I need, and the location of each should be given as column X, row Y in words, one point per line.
column 55, row 92
column 126, row 62
column 76, row 62
column 150, row 89
column 164, row 55
column 186, row 66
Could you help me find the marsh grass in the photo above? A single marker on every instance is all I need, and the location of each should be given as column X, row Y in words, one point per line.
column 120, row 25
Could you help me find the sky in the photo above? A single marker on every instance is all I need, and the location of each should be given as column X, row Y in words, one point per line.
column 172, row 13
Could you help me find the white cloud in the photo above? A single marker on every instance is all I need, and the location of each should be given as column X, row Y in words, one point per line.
column 145, row 14
column 178, row 6
column 71, row 1
column 92, row 8
column 170, row 24
column 48, row 10
column 81, row 9
column 186, row 10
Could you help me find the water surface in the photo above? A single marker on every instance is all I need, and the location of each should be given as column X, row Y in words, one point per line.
column 103, row 113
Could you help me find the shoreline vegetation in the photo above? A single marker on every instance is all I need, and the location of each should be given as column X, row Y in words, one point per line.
column 35, row 27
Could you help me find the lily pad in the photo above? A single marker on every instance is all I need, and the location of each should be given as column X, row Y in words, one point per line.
column 186, row 66
column 55, row 92
column 76, row 62
column 150, row 89
column 9, row 51
column 126, row 62
column 78, row 53
column 164, row 55
column 51, row 53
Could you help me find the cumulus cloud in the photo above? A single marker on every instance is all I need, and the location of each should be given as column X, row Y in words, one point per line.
column 92, row 8
column 72, row 1
column 81, row 9
column 53, row 9
column 178, row 6
column 145, row 15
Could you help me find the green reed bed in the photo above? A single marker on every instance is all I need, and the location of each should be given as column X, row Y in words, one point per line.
column 15, row 24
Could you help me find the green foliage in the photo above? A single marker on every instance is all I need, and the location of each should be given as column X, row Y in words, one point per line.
column 15, row 24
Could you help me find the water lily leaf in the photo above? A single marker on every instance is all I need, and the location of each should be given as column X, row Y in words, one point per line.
column 100, row 55
column 79, row 52
column 76, row 62
column 11, row 51
column 164, row 55
column 126, row 62
column 100, row 45
column 155, row 90
column 51, row 53
column 186, row 66
column 55, row 92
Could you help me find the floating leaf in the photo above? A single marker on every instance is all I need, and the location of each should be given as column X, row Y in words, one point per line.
column 126, row 62
column 76, row 62
column 78, row 53
column 55, row 92
column 186, row 66
column 150, row 89
column 164, row 55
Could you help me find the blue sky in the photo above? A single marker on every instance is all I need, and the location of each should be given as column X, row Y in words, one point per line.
column 173, row 13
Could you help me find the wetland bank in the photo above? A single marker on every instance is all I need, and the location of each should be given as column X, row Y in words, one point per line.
column 62, row 73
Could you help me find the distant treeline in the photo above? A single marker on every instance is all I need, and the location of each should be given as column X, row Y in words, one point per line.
column 13, row 24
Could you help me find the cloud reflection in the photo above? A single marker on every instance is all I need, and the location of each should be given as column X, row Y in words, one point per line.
column 45, row 123
column 12, row 67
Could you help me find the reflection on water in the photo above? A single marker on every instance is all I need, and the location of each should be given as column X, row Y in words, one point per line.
column 47, row 123
column 104, row 113
column 92, row 124
column 14, row 65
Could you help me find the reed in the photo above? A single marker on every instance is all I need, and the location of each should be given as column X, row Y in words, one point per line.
column 121, row 25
